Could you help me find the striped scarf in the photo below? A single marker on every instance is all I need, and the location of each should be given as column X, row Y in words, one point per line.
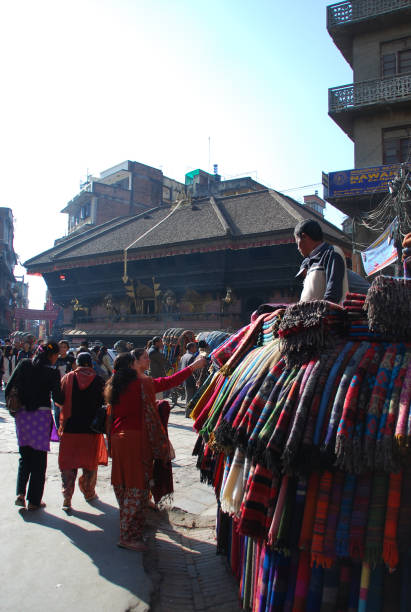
column 293, row 442
column 278, row 437
column 386, row 420
column 390, row 548
column 320, row 519
column 332, row 517
column 306, row 534
column 343, row 527
column 376, row 404
column 263, row 486
column 341, row 393
column 345, row 431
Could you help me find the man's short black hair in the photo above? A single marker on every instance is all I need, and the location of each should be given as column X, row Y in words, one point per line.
column 191, row 345
column 311, row 228
column 156, row 339
column 202, row 344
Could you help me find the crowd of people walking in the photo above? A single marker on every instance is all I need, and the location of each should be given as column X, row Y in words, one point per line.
column 93, row 397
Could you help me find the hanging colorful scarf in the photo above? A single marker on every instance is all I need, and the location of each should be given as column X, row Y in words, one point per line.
column 293, row 442
column 359, row 516
column 362, row 407
column 332, row 376
column 282, row 543
column 267, row 559
column 390, row 548
column 320, row 520
column 244, row 428
column 262, row 486
column 332, row 517
column 229, row 497
column 306, row 534
column 247, row 342
column 386, row 420
column 389, row 445
column 339, row 398
column 223, row 433
column 302, row 582
column 364, row 586
column 278, row 437
column 376, row 404
column 376, row 519
column 275, row 523
column 327, row 360
column 343, row 527
column 208, row 403
column 297, row 521
column 269, row 426
column 266, row 413
column 404, row 405
column 345, row 431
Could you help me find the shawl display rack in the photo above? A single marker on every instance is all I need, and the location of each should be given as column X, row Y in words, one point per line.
column 305, row 434
column 175, row 341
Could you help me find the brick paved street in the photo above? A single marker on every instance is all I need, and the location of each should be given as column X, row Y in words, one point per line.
column 72, row 562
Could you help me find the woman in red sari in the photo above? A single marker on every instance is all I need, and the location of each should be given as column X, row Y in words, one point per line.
column 137, row 437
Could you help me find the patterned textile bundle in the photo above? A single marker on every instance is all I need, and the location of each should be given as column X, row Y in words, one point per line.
column 356, row 317
column 306, row 329
column 308, row 455
column 388, row 307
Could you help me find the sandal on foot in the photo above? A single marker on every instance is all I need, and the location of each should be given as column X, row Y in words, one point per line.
column 136, row 546
column 20, row 501
column 91, row 498
column 35, row 507
column 66, row 505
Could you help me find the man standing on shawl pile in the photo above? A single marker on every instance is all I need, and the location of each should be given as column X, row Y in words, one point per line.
column 324, row 268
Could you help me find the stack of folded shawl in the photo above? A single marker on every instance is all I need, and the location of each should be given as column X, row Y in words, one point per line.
column 356, row 316
column 308, row 450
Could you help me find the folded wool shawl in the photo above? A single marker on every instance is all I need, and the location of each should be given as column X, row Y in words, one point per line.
column 275, row 524
column 297, row 429
column 404, row 403
column 376, row 403
column 345, row 430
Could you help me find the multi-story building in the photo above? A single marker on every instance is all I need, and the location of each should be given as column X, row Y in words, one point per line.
column 8, row 260
column 124, row 190
column 374, row 36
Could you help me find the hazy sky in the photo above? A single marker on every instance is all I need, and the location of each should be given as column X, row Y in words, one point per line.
column 87, row 84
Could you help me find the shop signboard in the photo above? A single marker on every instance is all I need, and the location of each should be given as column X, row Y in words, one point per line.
column 382, row 252
column 361, row 181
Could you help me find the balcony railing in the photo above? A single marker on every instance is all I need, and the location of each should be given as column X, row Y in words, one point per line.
column 148, row 318
column 365, row 93
column 344, row 12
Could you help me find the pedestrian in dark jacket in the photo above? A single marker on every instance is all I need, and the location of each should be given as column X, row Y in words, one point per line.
column 186, row 360
column 35, row 381
column 158, row 363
